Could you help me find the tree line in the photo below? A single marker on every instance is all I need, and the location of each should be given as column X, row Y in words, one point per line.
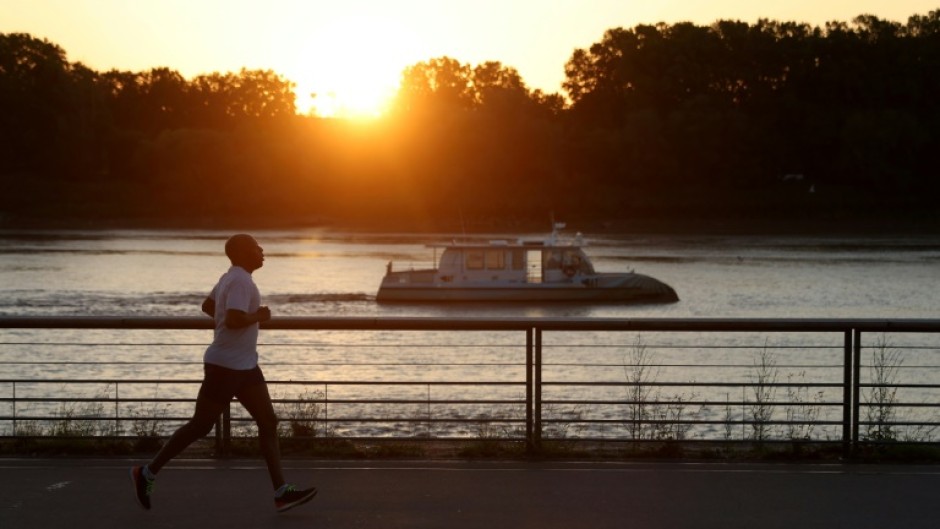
column 679, row 122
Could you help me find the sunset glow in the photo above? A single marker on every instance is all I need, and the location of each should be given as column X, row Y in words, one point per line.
column 351, row 69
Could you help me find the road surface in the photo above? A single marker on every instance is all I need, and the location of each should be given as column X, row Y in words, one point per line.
column 96, row 493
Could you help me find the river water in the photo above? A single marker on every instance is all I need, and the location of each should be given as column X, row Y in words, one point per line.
column 317, row 272
column 323, row 273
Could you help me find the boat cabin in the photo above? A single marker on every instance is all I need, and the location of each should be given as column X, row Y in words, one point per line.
column 519, row 263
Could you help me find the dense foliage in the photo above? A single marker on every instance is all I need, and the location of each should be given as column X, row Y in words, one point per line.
column 731, row 121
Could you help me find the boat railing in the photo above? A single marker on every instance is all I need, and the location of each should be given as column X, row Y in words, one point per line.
column 532, row 381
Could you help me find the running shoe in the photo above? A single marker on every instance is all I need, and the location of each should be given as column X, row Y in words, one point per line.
column 143, row 487
column 293, row 497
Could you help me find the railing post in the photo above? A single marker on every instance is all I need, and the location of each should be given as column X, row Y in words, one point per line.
column 223, row 431
column 529, row 410
column 218, row 435
column 848, row 394
column 227, row 429
column 429, row 410
column 857, row 382
column 117, row 408
column 537, row 389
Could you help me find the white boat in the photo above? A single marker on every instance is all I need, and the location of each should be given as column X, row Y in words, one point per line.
column 521, row 270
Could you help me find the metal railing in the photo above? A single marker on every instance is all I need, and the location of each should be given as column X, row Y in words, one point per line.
column 848, row 381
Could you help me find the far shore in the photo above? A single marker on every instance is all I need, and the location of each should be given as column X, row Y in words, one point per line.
column 882, row 227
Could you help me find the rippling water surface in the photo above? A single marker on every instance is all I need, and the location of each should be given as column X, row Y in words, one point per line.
column 313, row 273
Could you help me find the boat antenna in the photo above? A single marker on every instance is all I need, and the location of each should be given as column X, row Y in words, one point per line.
column 556, row 226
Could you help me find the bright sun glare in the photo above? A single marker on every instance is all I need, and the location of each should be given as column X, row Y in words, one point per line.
column 352, row 68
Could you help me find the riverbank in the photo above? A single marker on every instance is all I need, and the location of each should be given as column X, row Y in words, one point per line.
column 910, row 225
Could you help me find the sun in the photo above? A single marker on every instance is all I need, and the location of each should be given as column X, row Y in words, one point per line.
column 352, row 68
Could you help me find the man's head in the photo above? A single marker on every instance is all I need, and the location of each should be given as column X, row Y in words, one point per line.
column 243, row 250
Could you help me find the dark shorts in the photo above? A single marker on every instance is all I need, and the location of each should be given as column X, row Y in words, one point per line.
column 220, row 384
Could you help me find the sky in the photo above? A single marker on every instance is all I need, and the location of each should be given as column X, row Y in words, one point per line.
column 351, row 53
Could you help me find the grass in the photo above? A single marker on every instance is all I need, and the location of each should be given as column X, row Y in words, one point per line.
column 764, row 391
column 650, row 414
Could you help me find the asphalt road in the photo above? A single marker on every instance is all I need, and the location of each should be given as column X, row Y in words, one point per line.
column 96, row 493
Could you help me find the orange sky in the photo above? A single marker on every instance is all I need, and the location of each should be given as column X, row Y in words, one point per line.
column 351, row 52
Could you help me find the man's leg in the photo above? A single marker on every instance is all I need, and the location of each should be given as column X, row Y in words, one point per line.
column 256, row 399
column 207, row 411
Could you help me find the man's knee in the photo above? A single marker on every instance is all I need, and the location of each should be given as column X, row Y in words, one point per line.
column 199, row 427
column 196, row 428
column 267, row 423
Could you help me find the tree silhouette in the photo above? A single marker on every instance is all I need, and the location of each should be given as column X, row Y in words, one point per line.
column 681, row 122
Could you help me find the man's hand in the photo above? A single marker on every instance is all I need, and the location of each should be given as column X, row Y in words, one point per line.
column 263, row 313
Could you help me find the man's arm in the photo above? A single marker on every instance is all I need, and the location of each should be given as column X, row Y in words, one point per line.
column 208, row 306
column 236, row 319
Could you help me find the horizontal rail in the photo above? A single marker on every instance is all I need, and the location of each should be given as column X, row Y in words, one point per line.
column 269, row 381
column 487, row 324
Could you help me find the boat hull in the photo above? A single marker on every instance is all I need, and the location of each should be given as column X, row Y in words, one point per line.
column 613, row 288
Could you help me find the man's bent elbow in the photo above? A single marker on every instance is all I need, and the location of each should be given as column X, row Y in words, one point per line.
column 208, row 306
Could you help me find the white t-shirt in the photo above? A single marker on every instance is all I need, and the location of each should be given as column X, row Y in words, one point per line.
column 234, row 348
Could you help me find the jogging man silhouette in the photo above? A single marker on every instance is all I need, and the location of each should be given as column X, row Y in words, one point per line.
column 231, row 370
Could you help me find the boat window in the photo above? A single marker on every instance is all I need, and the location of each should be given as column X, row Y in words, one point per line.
column 495, row 259
column 575, row 261
column 552, row 259
column 474, row 259
column 534, row 263
column 450, row 260
column 583, row 263
column 518, row 260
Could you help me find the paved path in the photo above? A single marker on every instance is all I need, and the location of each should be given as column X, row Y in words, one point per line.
column 95, row 493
